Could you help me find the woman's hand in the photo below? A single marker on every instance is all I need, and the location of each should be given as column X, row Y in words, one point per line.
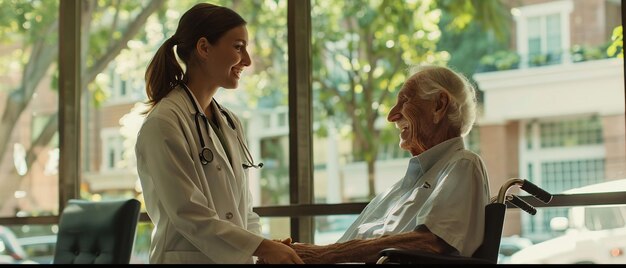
column 277, row 252
column 286, row 241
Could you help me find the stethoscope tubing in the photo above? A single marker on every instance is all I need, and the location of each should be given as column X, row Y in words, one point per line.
column 206, row 155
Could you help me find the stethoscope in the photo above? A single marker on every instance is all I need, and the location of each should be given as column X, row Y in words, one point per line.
column 206, row 155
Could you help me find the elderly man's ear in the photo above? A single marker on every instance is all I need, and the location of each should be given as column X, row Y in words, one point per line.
column 441, row 107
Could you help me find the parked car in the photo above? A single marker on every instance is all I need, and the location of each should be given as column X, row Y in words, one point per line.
column 11, row 252
column 510, row 245
column 39, row 249
column 592, row 234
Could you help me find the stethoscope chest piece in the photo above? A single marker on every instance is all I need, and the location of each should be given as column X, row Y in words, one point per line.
column 206, row 156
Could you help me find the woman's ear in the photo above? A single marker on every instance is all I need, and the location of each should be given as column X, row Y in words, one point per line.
column 202, row 48
column 441, row 107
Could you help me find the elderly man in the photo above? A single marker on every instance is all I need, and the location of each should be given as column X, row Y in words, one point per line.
column 439, row 205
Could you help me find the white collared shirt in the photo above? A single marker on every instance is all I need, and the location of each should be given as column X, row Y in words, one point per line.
column 445, row 188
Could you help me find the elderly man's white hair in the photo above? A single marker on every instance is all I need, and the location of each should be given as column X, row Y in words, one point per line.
column 431, row 80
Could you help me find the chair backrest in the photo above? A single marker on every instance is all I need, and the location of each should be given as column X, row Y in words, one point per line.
column 97, row 232
column 494, row 222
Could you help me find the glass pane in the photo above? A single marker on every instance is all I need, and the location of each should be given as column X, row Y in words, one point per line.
column 547, row 129
column 585, row 234
column 276, row 227
column 534, row 36
column 361, row 51
column 553, row 38
column 113, row 98
column 328, row 229
column 29, row 153
column 557, row 135
column 141, row 246
column 28, row 244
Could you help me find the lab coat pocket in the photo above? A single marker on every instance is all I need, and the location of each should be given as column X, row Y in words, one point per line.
column 190, row 257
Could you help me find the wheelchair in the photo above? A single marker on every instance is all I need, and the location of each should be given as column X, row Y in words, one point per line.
column 487, row 252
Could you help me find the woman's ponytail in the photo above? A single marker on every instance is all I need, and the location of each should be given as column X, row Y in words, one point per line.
column 162, row 72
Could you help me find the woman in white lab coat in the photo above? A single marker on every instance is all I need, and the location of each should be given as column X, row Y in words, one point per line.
column 192, row 158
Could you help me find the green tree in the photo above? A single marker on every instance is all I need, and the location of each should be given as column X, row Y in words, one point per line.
column 468, row 42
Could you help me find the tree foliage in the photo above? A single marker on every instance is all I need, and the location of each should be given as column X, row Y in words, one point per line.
column 617, row 45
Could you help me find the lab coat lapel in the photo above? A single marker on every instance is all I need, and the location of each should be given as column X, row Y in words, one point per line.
column 213, row 142
column 231, row 141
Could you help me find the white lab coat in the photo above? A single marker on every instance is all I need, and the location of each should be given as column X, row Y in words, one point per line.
column 202, row 213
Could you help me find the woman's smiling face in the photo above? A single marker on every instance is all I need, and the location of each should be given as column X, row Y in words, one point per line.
column 228, row 57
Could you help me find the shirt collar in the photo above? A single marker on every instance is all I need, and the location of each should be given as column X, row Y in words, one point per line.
column 418, row 165
column 429, row 157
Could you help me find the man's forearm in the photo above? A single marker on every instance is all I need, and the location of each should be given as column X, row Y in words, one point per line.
column 367, row 250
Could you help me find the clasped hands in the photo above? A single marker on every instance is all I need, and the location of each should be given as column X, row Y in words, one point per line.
column 309, row 253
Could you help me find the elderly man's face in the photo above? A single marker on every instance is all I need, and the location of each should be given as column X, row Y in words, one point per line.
column 414, row 117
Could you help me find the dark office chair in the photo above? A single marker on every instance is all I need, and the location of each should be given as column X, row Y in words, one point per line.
column 487, row 252
column 97, row 232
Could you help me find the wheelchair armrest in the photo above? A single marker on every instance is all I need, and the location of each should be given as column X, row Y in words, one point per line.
column 403, row 256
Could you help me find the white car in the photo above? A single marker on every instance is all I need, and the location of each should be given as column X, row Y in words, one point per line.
column 39, row 248
column 593, row 234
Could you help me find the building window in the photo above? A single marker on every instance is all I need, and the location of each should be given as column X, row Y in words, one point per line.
column 543, row 32
column 112, row 149
column 544, row 39
column 568, row 133
column 123, row 88
column 558, row 176
column 282, row 119
column 560, row 154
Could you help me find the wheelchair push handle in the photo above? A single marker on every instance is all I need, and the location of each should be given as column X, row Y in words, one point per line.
column 537, row 192
column 525, row 185
column 518, row 202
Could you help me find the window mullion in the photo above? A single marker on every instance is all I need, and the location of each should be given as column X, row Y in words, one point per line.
column 69, row 100
column 300, row 115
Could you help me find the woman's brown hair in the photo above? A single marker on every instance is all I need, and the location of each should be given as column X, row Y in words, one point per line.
column 202, row 20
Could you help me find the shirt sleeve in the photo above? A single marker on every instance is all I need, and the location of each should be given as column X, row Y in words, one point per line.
column 455, row 211
column 165, row 165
